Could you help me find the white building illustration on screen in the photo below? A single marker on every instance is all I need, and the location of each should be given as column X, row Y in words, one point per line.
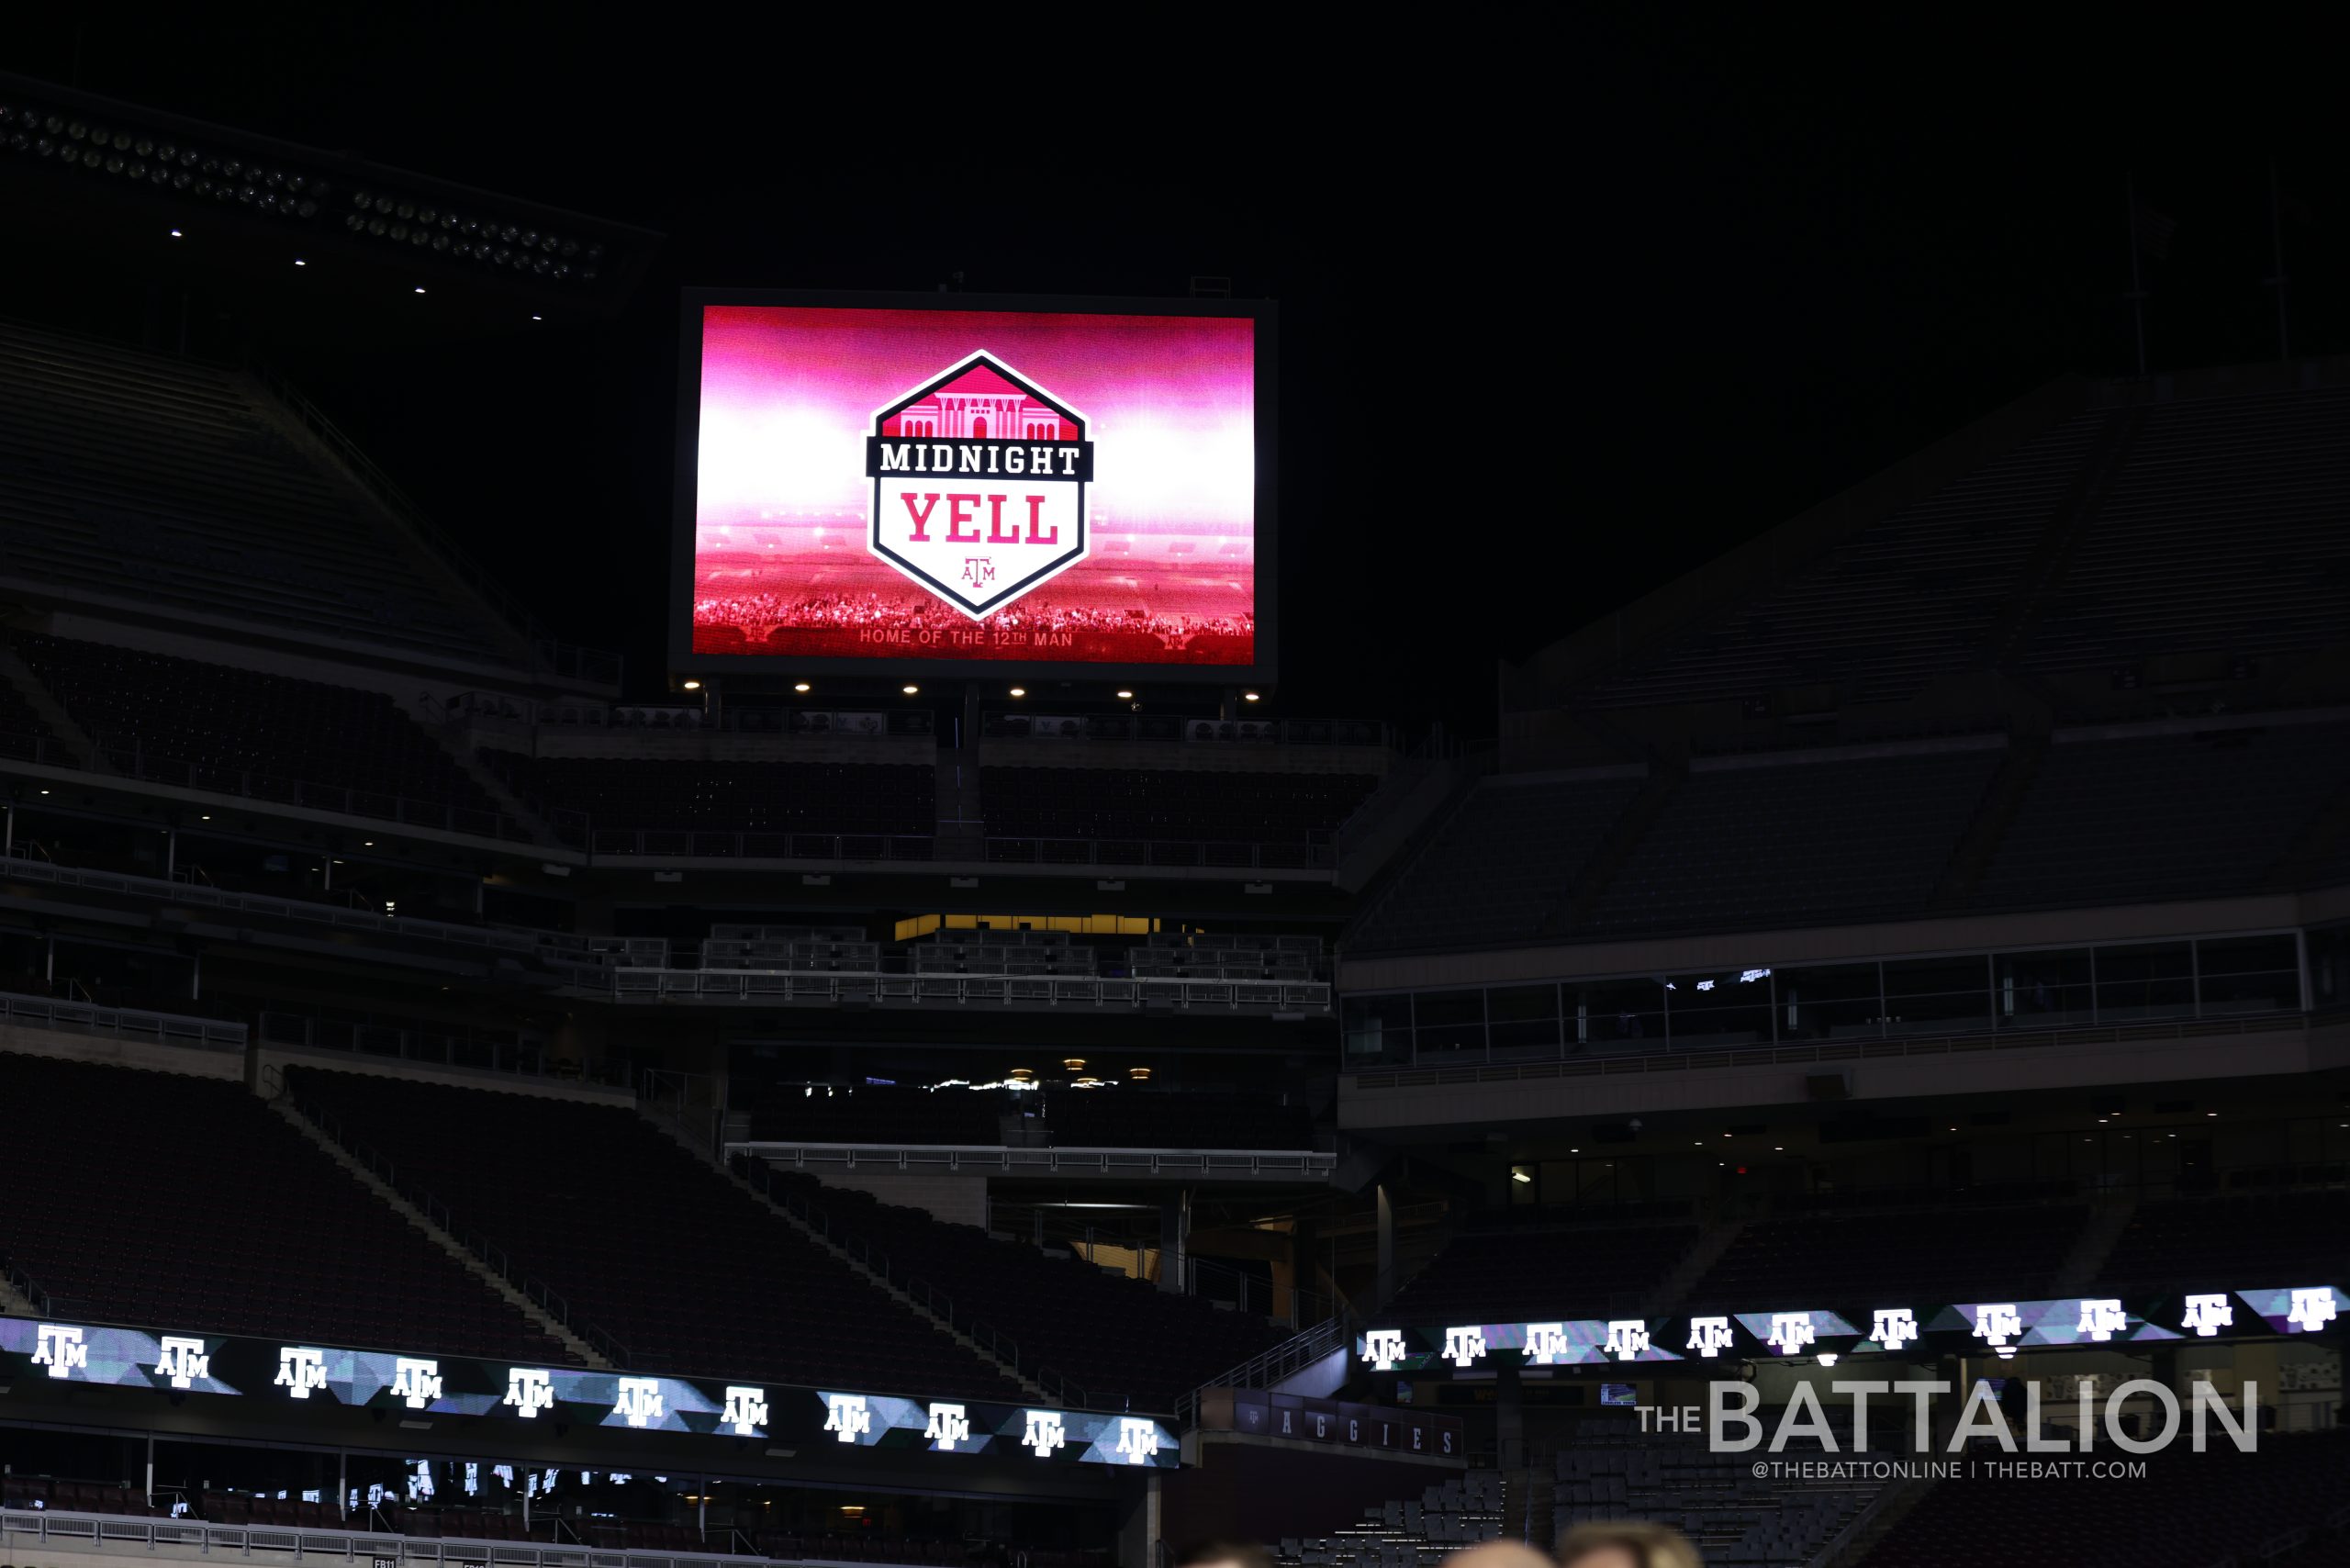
column 981, row 416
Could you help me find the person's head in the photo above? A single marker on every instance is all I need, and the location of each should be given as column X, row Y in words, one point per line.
column 1226, row 1554
column 1498, row 1554
column 1626, row 1546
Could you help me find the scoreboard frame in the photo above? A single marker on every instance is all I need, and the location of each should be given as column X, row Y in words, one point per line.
column 1261, row 671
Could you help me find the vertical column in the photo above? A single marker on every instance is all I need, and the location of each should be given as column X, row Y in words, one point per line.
column 1509, row 1414
column 1174, row 1238
column 1386, row 1234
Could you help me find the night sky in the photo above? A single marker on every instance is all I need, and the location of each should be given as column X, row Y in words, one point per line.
column 1563, row 314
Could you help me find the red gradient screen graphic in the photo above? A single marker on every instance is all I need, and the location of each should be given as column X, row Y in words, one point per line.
column 1053, row 488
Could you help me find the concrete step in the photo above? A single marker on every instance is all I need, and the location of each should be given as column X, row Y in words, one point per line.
column 1035, row 1389
column 587, row 1354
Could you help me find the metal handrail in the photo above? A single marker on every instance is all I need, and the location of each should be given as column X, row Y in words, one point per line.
column 129, row 1022
column 349, row 1545
column 647, row 984
column 554, row 947
column 760, row 1177
column 548, row 653
column 1858, row 1049
column 439, row 1213
column 1262, row 1370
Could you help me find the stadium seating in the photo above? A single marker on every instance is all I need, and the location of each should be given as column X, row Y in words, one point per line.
column 1067, row 1118
column 22, row 729
column 174, row 484
column 1910, row 597
column 1949, row 1255
column 1116, row 1337
column 2211, row 533
column 1789, row 846
column 1610, row 1470
column 209, row 726
column 1457, row 1511
column 2220, row 1506
column 1521, row 1273
column 1170, row 803
column 688, row 1272
column 2213, row 536
column 633, row 794
column 1506, row 858
column 2165, row 816
column 2281, row 1238
column 1154, row 1118
column 169, row 1238
column 878, row 1115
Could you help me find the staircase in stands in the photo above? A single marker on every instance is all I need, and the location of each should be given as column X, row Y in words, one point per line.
column 71, row 735
column 547, row 1322
column 2107, row 1220
column 962, row 830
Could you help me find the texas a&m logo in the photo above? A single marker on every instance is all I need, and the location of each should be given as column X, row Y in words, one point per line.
column 978, row 485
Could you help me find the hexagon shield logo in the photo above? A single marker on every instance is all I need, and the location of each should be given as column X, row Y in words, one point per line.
column 978, row 485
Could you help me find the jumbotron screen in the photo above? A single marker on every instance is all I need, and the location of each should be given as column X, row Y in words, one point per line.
column 960, row 481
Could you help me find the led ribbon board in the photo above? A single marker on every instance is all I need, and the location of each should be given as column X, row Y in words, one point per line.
column 1993, row 1327
column 35, row 1355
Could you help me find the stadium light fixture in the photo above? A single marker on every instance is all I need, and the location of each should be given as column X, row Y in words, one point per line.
column 909, row 689
column 1020, row 691
column 1522, row 1177
column 176, row 234
column 300, row 263
column 1125, row 695
column 1250, row 697
column 692, row 686
column 799, row 686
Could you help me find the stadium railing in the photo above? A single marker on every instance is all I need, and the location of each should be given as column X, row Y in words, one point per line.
column 1292, row 1355
column 1003, row 725
column 17, row 747
column 1159, row 851
column 493, row 1256
column 125, row 1023
column 556, row 947
column 759, row 1176
column 688, row 844
column 104, row 1532
column 548, row 656
column 132, row 761
column 430, row 1049
column 1826, row 1051
column 1271, row 1164
column 1041, row 990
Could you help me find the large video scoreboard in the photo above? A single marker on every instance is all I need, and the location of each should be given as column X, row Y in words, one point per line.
column 959, row 484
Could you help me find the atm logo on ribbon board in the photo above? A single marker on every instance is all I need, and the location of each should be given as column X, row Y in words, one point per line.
column 978, row 485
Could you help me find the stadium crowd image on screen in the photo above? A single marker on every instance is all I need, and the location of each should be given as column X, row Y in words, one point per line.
column 966, row 481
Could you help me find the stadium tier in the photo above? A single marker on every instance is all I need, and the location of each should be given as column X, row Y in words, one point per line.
column 1533, row 1273
column 229, row 1220
column 2170, row 1243
column 1951, row 1254
column 1767, row 842
column 1077, row 1118
column 242, row 732
column 169, row 484
column 2187, row 1511
column 1121, row 1340
column 2112, row 535
column 1171, row 803
column 684, row 1268
column 2171, row 816
column 632, row 794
